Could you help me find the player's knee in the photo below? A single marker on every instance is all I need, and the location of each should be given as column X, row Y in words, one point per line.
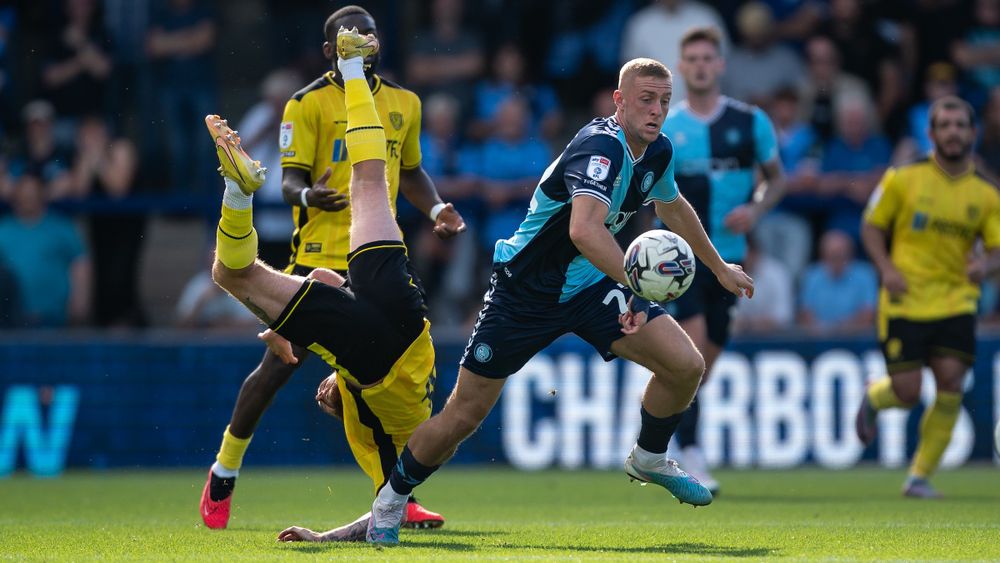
column 908, row 394
column 464, row 419
column 689, row 368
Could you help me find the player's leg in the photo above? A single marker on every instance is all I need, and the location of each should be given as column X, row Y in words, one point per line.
column 952, row 352
column 666, row 350
column 904, row 345
column 371, row 216
column 687, row 433
column 432, row 444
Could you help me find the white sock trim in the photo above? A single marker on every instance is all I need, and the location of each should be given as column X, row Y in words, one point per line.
column 223, row 471
column 234, row 198
column 647, row 459
column 353, row 68
column 388, row 494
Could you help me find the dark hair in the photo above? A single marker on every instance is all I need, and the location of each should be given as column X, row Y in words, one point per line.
column 330, row 28
column 953, row 102
column 709, row 33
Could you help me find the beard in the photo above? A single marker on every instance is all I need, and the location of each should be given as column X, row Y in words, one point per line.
column 954, row 152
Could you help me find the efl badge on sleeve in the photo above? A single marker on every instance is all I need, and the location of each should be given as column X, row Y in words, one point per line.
column 598, row 167
column 285, row 136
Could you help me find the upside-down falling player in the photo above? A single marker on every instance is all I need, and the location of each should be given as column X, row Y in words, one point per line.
column 373, row 333
column 933, row 212
column 315, row 174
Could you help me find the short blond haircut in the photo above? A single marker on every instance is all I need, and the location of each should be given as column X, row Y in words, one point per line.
column 642, row 67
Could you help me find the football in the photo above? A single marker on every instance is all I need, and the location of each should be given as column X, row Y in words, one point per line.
column 659, row 265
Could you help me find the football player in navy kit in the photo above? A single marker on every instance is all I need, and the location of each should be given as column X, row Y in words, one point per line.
column 562, row 271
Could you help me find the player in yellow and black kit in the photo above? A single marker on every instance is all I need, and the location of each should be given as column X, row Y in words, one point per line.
column 931, row 214
column 316, row 171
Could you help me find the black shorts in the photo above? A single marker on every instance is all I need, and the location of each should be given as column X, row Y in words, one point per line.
column 510, row 329
column 300, row 270
column 908, row 345
column 366, row 326
column 707, row 297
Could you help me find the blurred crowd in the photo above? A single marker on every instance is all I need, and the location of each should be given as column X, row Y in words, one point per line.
column 101, row 104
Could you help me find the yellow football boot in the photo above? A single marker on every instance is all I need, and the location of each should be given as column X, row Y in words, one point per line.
column 352, row 44
column 235, row 163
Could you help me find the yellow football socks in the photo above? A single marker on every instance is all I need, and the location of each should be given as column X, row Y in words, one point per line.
column 935, row 433
column 236, row 239
column 231, row 451
column 881, row 396
column 365, row 136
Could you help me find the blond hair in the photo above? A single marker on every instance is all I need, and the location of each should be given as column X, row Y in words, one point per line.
column 642, row 67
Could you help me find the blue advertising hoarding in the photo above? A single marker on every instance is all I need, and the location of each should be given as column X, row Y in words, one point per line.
column 164, row 402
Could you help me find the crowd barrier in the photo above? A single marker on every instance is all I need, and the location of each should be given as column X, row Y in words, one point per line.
column 163, row 400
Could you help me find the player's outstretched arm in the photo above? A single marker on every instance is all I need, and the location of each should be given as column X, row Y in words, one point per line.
column 682, row 219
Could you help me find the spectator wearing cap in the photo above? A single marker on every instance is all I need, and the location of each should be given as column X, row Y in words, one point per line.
column 759, row 66
column 46, row 255
column 42, row 155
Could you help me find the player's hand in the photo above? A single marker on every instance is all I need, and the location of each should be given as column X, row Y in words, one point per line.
column 297, row 533
column 742, row 219
column 975, row 268
column 324, row 197
column 736, row 281
column 633, row 318
column 894, row 281
column 328, row 397
column 449, row 223
column 279, row 346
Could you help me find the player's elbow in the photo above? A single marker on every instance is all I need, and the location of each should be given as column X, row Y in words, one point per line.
column 580, row 233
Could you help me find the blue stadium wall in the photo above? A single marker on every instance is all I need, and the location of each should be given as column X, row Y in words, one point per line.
column 164, row 401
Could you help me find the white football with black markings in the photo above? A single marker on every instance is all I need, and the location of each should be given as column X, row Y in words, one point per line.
column 659, row 265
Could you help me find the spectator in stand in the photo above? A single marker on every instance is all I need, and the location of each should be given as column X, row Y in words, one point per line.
column 104, row 171
column 510, row 79
column 772, row 308
column 447, row 56
column 978, row 52
column 78, row 66
column 509, row 165
column 8, row 24
column 988, row 151
column 653, row 31
column 853, row 163
column 865, row 53
column 932, row 28
column 824, row 84
column 180, row 41
column 759, row 66
column 42, row 155
column 784, row 234
column 839, row 294
column 259, row 130
column 940, row 80
column 205, row 305
column 45, row 253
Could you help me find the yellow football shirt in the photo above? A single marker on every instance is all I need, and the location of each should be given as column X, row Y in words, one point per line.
column 933, row 220
column 312, row 138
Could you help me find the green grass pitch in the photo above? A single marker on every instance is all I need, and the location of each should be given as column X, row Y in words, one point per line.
column 503, row 514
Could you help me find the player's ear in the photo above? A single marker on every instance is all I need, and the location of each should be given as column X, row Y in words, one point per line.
column 619, row 98
column 328, row 50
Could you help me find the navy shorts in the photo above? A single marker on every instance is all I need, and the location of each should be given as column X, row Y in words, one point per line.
column 707, row 297
column 511, row 329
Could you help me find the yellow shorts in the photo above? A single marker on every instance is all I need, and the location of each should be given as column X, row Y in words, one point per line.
column 379, row 420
